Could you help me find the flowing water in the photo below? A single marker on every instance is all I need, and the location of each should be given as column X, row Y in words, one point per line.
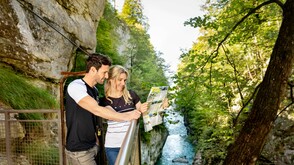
column 176, row 144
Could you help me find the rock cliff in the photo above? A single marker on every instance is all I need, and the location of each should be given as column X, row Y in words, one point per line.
column 152, row 150
column 29, row 42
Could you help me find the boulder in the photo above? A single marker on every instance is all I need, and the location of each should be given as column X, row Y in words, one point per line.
column 182, row 159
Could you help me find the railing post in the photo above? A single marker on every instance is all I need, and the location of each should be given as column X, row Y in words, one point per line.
column 62, row 120
column 8, row 138
column 60, row 144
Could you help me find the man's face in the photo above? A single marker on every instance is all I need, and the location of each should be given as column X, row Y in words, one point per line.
column 102, row 74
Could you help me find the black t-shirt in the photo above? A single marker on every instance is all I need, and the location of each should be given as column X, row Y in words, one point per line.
column 119, row 105
column 81, row 124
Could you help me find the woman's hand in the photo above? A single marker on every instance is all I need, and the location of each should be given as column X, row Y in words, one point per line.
column 144, row 107
column 165, row 103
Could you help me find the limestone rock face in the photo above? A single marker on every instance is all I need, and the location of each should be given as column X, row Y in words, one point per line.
column 32, row 46
column 279, row 147
column 151, row 151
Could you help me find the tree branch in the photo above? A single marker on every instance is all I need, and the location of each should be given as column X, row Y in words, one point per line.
column 236, row 119
column 232, row 63
column 243, row 19
column 215, row 53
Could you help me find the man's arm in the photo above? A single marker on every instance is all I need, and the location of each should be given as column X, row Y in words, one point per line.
column 92, row 106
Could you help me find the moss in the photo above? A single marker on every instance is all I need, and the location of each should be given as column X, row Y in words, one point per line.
column 146, row 136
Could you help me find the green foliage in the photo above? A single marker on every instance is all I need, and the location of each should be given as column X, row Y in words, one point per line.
column 146, row 66
column 214, row 83
column 107, row 37
column 132, row 13
column 199, row 22
column 80, row 62
column 17, row 92
column 40, row 153
column 146, row 136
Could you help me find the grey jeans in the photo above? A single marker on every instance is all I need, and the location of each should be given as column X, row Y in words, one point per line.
column 82, row 157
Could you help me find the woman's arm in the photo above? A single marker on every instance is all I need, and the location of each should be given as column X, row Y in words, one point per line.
column 92, row 106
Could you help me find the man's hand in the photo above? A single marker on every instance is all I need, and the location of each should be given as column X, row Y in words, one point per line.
column 135, row 114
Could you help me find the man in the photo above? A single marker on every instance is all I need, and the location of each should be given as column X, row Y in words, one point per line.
column 82, row 108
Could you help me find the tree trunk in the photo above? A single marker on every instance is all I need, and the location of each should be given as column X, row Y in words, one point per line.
column 252, row 137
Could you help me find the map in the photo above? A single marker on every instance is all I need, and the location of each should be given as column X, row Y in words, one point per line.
column 154, row 115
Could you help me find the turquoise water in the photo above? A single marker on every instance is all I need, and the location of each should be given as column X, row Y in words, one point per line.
column 176, row 144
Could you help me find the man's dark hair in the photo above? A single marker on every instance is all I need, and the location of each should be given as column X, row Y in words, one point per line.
column 97, row 60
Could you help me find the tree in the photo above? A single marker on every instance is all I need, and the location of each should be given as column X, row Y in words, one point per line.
column 132, row 13
column 223, row 33
column 248, row 145
column 142, row 60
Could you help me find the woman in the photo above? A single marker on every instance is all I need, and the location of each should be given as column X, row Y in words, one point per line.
column 119, row 98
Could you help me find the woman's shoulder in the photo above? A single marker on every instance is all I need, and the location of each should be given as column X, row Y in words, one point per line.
column 132, row 93
column 103, row 101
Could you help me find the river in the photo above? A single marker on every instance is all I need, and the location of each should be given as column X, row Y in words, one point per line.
column 176, row 144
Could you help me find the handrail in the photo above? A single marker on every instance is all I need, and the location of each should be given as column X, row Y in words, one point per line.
column 127, row 147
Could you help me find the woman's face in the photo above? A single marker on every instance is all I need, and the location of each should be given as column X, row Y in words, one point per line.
column 121, row 82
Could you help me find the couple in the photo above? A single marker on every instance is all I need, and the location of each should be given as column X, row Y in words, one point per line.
column 82, row 107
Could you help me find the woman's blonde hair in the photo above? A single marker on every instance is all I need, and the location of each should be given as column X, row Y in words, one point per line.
column 114, row 72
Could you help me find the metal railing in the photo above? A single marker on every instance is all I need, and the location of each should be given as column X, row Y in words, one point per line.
column 130, row 153
column 24, row 140
column 30, row 141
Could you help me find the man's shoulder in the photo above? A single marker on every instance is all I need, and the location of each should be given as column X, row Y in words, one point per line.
column 76, row 82
column 79, row 81
column 77, row 90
